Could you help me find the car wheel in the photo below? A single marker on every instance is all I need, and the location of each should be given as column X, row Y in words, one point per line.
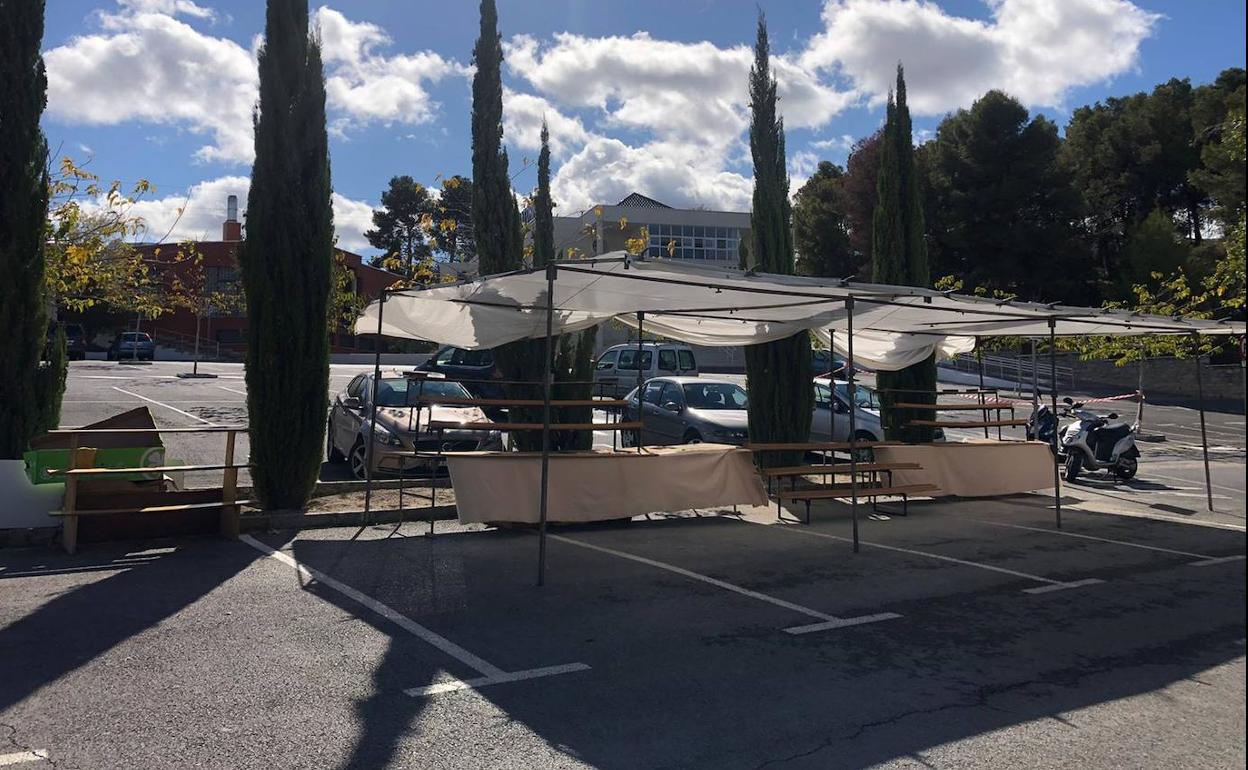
column 692, row 437
column 359, row 460
column 331, row 452
column 1126, row 468
column 628, row 439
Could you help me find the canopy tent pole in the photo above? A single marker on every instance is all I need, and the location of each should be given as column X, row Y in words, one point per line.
column 1035, row 379
column 979, row 358
column 372, row 412
column 831, row 395
column 1204, row 436
column 547, row 367
column 641, row 318
column 853, row 400
column 1057, row 476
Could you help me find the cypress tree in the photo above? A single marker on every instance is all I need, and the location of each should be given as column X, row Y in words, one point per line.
column 286, row 262
column 778, row 373
column 495, row 215
column 23, row 222
column 899, row 257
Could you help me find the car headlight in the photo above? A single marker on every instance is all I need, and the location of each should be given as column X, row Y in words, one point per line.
column 387, row 438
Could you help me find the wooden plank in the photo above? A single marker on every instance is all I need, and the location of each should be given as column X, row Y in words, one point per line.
column 828, row 493
column 229, row 518
column 969, row 424
column 508, row 426
column 108, row 431
column 990, row 406
column 449, row 401
column 149, row 509
column 817, row 470
column 150, row 469
column 813, row 445
column 69, row 531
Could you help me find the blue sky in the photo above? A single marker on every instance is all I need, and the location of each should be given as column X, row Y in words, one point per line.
column 640, row 95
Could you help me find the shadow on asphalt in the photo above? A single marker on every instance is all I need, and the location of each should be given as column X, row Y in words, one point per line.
column 710, row 681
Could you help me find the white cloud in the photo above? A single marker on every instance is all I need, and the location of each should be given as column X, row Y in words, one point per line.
column 844, row 143
column 801, row 165
column 522, row 124
column 1036, row 50
column 153, row 68
column 149, row 66
column 198, row 213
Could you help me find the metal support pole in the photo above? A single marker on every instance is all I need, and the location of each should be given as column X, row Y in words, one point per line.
column 979, row 359
column 831, row 397
column 547, row 365
column 641, row 318
column 1057, row 476
column 1204, row 436
column 1035, row 378
column 372, row 408
column 853, row 450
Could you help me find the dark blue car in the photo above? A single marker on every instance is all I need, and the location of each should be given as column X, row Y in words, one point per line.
column 132, row 345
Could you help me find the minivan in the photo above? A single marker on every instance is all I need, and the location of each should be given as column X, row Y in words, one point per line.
column 615, row 371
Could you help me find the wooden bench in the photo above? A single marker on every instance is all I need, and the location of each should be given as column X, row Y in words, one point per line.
column 969, row 423
column 871, row 492
column 793, row 472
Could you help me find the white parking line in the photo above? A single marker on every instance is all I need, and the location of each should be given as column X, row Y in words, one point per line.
column 1223, row 487
column 20, row 757
column 491, row 674
column 233, row 390
column 1049, row 583
column 827, row 622
column 1204, row 559
column 167, row 406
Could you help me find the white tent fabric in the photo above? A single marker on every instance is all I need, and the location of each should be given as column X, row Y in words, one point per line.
column 894, row 326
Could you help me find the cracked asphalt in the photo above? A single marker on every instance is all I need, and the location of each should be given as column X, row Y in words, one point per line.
column 210, row 653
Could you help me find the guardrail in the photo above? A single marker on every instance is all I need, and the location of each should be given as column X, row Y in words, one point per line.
column 1016, row 369
column 81, row 460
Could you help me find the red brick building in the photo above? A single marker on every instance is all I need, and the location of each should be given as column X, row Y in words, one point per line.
column 225, row 331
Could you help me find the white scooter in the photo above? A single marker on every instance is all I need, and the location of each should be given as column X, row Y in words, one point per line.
column 1091, row 442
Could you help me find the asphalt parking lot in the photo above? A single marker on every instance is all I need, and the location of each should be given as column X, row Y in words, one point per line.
column 970, row 634
column 1171, row 472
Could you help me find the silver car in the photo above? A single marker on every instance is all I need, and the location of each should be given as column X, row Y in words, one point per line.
column 397, row 436
column 689, row 410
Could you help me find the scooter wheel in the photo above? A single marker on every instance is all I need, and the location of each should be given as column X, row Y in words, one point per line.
column 1074, row 463
column 1126, row 468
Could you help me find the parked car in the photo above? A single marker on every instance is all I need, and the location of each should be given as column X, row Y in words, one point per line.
column 131, row 345
column 819, row 362
column 75, row 340
column 475, row 367
column 688, row 410
column 867, row 421
column 615, row 371
column 397, row 424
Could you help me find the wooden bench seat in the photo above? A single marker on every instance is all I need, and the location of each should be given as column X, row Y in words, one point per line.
column 969, row 424
column 510, row 426
column 817, row 470
column 992, row 406
column 864, row 490
column 150, row 508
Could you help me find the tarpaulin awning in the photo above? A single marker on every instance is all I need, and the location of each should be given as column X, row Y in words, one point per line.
column 894, row 326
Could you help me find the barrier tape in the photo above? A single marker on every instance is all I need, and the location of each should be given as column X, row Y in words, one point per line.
column 1002, row 399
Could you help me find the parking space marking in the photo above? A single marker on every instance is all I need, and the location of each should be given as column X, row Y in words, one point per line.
column 827, row 622
column 1223, row 487
column 232, row 390
column 1216, row 560
column 491, row 674
column 1158, row 516
column 1049, row 583
column 167, row 406
column 1203, row 558
column 21, row 757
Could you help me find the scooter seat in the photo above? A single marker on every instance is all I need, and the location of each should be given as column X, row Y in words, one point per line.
column 1107, row 437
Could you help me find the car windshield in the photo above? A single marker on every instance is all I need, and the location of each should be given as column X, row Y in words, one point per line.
column 394, row 390
column 140, row 336
column 715, row 395
column 864, row 397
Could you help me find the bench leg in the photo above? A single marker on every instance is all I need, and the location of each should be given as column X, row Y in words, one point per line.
column 808, row 511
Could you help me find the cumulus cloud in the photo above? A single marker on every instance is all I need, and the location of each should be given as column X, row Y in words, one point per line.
column 149, row 65
column 1036, row 50
column 198, row 213
column 522, row 124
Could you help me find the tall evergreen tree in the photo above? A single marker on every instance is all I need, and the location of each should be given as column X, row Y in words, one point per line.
column 286, row 262
column 899, row 256
column 398, row 228
column 778, row 373
column 495, row 215
column 820, row 225
column 23, row 222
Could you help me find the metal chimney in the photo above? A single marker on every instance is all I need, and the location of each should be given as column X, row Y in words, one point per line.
column 232, row 230
column 231, row 208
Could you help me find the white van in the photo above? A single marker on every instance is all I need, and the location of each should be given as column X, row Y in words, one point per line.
column 615, row 371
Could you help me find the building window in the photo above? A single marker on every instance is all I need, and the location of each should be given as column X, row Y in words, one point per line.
column 717, row 244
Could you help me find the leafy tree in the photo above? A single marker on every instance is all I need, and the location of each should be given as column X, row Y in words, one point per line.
column 1218, row 109
column 23, row 214
column 399, row 226
column 454, row 235
column 1153, row 247
column 1001, row 210
column 820, row 226
column 778, row 373
column 899, row 256
column 859, row 191
column 287, row 261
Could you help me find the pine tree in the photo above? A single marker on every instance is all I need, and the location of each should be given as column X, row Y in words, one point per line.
column 899, row 257
column 778, row 373
column 23, row 219
column 286, row 262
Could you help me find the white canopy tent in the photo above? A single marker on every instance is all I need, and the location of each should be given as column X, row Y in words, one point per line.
column 885, row 327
